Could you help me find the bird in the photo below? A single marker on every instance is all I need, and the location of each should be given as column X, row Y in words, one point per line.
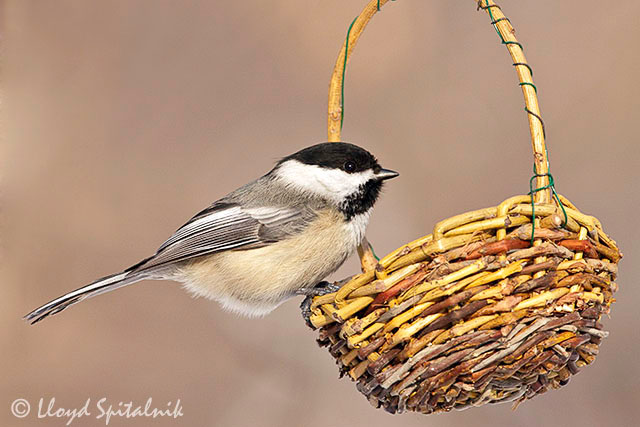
column 272, row 239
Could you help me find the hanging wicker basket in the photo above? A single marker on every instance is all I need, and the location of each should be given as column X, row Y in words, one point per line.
column 496, row 305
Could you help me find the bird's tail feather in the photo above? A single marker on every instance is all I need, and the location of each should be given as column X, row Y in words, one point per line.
column 100, row 286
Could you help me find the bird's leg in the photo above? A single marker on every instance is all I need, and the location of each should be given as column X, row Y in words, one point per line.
column 320, row 289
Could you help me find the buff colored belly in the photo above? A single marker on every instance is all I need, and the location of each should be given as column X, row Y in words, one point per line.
column 255, row 281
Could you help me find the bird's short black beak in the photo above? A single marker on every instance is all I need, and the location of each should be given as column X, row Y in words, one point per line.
column 384, row 174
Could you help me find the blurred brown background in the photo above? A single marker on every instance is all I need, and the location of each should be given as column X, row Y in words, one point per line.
column 121, row 119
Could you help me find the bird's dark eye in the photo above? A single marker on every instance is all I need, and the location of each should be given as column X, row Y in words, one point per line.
column 350, row 166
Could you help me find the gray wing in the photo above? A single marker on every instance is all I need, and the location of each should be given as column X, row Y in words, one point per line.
column 223, row 226
column 227, row 226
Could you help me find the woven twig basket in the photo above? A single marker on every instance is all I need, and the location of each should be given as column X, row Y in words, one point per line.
column 496, row 305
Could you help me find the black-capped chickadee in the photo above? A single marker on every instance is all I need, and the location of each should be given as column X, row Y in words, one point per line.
column 267, row 241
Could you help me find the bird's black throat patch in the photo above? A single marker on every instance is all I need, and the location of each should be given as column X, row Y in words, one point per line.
column 362, row 200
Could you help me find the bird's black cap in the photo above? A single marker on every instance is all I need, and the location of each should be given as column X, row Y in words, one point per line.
column 335, row 155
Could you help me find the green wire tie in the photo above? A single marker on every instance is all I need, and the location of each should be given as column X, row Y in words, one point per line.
column 374, row 252
column 344, row 70
column 529, row 84
column 524, row 64
column 544, row 132
column 532, row 191
column 379, row 5
column 500, row 19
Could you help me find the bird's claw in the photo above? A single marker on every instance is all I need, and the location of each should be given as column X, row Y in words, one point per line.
column 320, row 289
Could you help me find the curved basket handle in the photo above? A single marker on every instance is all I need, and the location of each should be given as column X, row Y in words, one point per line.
column 506, row 32
column 334, row 122
column 507, row 35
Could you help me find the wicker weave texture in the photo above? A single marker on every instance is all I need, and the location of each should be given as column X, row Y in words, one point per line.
column 464, row 317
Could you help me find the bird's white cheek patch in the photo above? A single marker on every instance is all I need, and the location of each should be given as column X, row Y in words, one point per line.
column 333, row 184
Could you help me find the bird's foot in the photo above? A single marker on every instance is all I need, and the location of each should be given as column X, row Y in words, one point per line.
column 320, row 289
